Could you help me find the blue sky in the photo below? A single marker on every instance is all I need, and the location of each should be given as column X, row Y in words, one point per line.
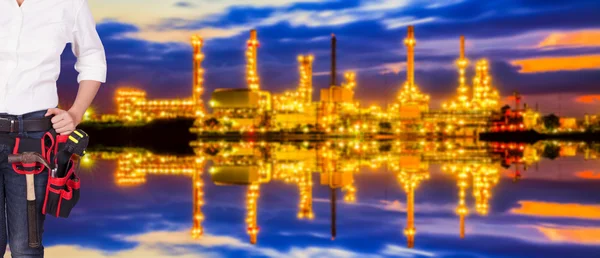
column 547, row 50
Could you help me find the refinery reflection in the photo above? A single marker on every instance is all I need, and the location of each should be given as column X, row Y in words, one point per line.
column 252, row 165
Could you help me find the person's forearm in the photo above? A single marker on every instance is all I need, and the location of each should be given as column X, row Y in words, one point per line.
column 85, row 95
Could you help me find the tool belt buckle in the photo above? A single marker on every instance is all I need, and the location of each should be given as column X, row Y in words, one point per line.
column 11, row 128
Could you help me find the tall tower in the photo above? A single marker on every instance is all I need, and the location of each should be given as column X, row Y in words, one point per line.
column 462, row 63
column 198, row 81
column 306, row 196
column 410, row 180
column 198, row 201
column 462, row 210
column 485, row 96
column 306, row 76
column 252, row 210
column 252, row 59
column 484, row 178
column 333, row 74
column 409, row 94
column 410, row 43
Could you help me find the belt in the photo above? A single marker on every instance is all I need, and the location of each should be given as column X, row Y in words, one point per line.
column 10, row 125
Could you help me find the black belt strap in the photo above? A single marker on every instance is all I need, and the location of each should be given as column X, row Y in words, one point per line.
column 10, row 125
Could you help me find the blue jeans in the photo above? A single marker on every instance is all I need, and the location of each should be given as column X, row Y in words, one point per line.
column 13, row 199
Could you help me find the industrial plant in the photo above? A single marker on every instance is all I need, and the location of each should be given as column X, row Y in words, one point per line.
column 337, row 112
column 476, row 167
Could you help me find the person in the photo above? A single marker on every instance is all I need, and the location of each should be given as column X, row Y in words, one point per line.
column 33, row 35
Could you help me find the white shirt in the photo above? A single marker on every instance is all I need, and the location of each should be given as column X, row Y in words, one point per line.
column 32, row 38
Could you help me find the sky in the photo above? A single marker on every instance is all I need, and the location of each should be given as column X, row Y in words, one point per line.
column 549, row 51
column 552, row 212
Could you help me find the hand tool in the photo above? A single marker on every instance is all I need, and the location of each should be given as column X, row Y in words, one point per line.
column 31, row 157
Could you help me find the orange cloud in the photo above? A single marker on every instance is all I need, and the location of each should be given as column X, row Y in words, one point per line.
column 588, row 174
column 584, row 38
column 588, row 99
column 579, row 235
column 562, row 210
column 561, row 63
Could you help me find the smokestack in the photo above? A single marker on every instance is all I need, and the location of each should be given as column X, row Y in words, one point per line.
column 410, row 43
column 333, row 60
column 462, row 47
column 333, row 214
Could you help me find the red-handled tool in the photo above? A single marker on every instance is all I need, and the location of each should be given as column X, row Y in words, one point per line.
column 31, row 157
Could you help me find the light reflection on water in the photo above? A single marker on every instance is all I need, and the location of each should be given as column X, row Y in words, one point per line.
column 376, row 198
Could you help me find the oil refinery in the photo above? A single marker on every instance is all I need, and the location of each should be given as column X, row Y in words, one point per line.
column 335, row 166
column 337, row 112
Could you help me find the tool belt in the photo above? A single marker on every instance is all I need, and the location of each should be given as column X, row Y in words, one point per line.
column 62, row 153
column 10, row 125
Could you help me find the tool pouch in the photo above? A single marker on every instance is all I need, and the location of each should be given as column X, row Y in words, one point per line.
column 22, row 145
column 62, row 192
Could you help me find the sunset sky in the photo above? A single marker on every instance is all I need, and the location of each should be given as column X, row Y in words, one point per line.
column 547, row 50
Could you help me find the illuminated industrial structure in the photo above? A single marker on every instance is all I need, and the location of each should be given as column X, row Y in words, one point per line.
column 411, row 102
column 252, row 62
column 412, row 172
column 255, row 165
column 484, row 178
column 337, row 106
column 252, row 211
column 462, row 172
column 336, row 113
column 463, row 101
column 485, row 97
column 306, row 196
column 198, row 82
column 198, row 202
column 253, row 109
column 243, row 109
column 132, row 105
column 294, row 108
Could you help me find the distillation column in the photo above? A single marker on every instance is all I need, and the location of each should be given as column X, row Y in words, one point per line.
column 198, row 201
column 252, row 59
column 198, row 80
column 306, row 77
column 252, row 210
column 411, row 102
column 462, row 63
column 462, row 209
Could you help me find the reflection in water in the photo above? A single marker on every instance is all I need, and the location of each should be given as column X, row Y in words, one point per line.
column 253, row 164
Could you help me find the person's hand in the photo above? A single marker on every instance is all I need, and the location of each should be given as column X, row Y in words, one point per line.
column 64, row 122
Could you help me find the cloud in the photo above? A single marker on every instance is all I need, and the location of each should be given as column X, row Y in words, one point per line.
column 399, row 251
column 183, row 36
column 393, row 206
column 568, row 234
column 563, row 63
column 580, row 38
column 148, row 12
column 179, row 244
column 405, row 21
column 558, row 210
column 588, row 174
column 588, row 99
column 184, row 4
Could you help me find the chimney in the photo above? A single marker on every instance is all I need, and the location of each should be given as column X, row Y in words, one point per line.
column 333, row 60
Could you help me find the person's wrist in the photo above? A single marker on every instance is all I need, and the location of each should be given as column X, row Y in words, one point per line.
column 77, row 114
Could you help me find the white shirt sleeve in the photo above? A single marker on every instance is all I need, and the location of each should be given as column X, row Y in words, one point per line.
column 87, row 47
